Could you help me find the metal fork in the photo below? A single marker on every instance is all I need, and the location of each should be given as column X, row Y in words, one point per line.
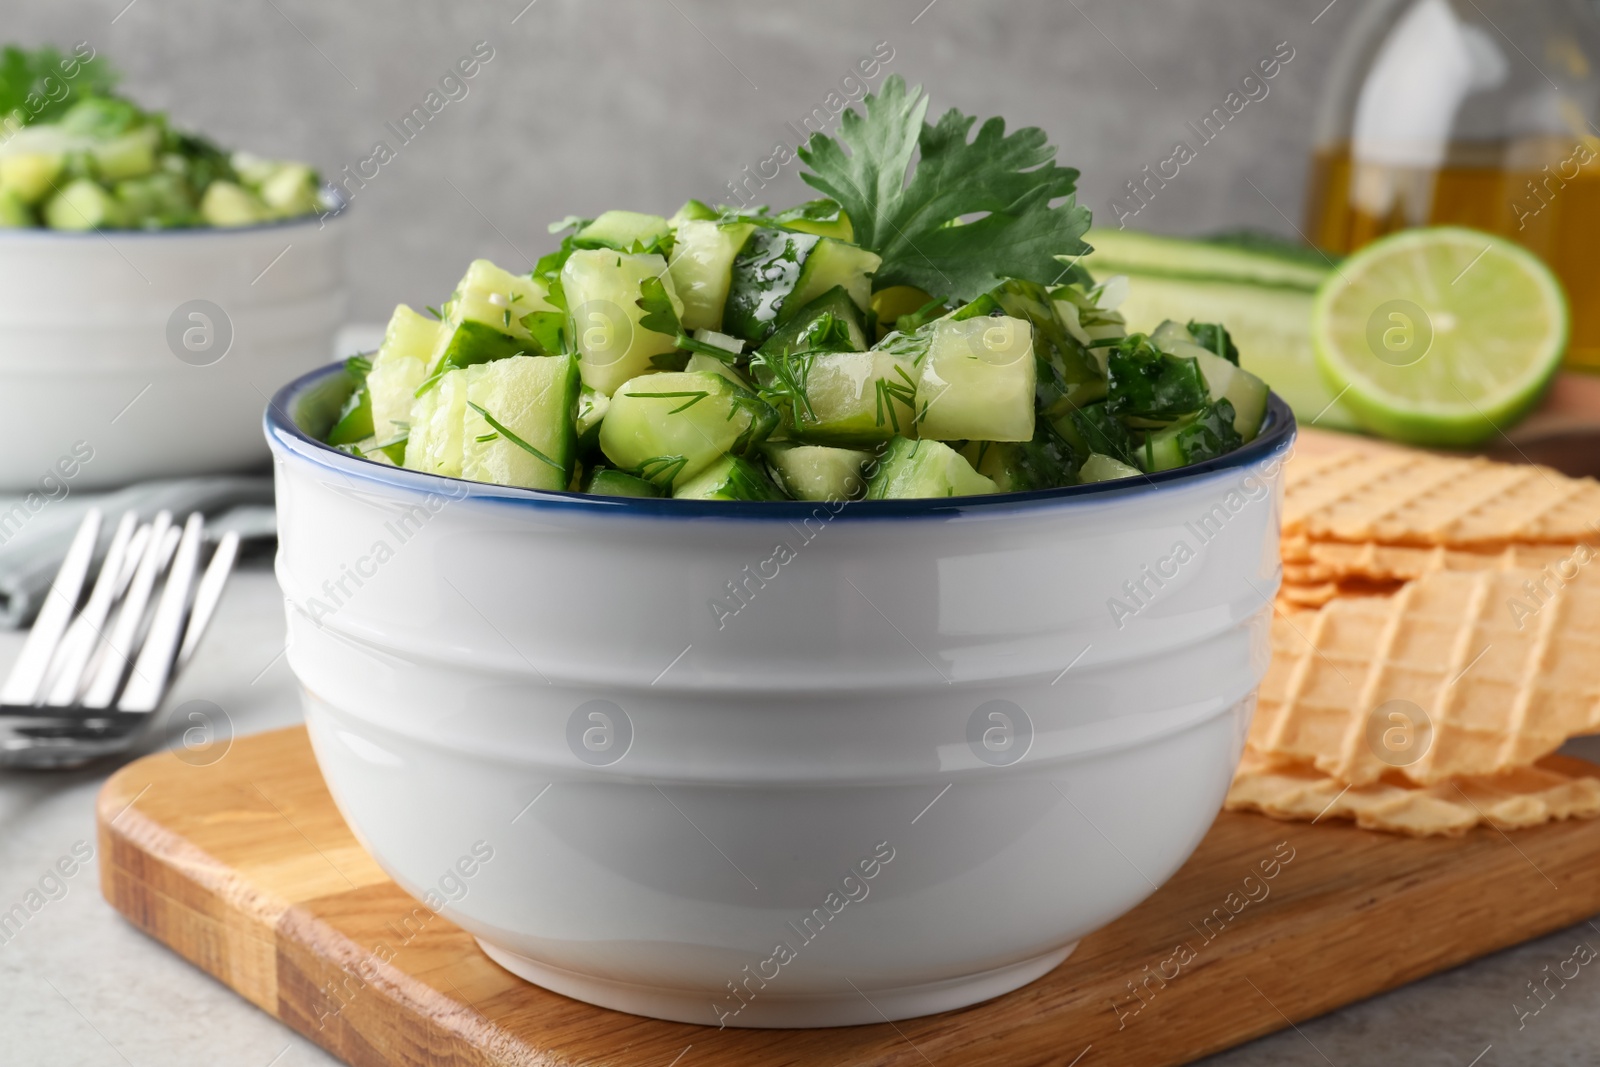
column 89, row 686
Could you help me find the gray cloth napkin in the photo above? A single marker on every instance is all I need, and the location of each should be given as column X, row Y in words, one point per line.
column 34, row 539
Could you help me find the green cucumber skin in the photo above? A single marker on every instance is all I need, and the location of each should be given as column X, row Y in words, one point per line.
column 818, row 472
column 474, row 342
column 730, row 478
column 915, row 470
column 621, row 230
column 608, row 482
column 1101, row 468
column 673, row 438
column 835, row 302
column 765, row 272
column 355, row 419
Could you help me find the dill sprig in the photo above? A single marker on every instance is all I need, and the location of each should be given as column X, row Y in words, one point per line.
column 503, row 431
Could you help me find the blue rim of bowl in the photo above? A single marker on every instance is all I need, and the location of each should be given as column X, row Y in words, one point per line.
column 341, row 208
column 1278, row 432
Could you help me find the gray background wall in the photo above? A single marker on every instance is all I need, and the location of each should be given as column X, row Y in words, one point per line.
column 644, row 103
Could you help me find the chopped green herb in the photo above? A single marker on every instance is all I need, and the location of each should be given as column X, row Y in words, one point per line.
column 513, row 438
column 1146, row 383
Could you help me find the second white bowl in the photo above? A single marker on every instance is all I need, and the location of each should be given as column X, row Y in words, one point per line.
column 132, row 355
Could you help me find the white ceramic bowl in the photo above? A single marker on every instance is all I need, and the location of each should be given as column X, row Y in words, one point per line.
column 923, row 757
column 89, row 363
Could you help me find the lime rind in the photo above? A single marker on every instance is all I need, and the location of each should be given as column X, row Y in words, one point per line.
column 1502, row 328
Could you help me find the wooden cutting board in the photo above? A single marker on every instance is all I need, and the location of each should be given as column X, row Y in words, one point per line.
column 245, row 868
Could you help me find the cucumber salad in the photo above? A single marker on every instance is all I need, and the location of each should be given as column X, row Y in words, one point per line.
column 923, row 330
column 74, row 155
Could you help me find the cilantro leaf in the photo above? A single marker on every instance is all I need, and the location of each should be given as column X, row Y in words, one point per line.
column 659, row 314
column 39, row 85
column 1210, row 434
column 661, row 317
column 917, row 226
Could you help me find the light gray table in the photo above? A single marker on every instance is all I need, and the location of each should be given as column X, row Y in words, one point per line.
column 80, row 987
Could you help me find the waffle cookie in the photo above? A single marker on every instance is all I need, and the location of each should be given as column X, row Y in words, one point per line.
column 1311, row 562
column 1418, row 499
column 1316, row 594
column 1458, row 673
column 1556, row 788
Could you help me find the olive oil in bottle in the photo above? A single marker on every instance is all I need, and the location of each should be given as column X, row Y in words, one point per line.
column 1435, row 116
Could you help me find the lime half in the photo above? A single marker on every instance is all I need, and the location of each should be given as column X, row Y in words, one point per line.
column 1440, row 336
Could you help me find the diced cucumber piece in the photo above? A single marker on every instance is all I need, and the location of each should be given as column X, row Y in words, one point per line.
column 399, row 368
column 830, row 323
column 227, row 204
column 1224, row 380
column 290, row 190
column 1201, row 436
column 495, row 298
column 592, row 408
column 437, row 425
column 483, row 319
column 729, row 478
column 521, row 422
column 29, row 175
column 82, row 205
column 692, row 210
column 848, row 398
column 127, row 156
column 1067, row 374
column 824, row 217
column 355, row 418
column 977, row 381
column 778, row 272
column 817, row 472
column 698, row 362
column 1246, row 392
column 251, row 168
column 622, row 230
column 1170, row 333
column 764, row 274
column 702, row 266
column 608, row 482
column 667, row 428
column 917, row 469
column 602, row 289
column 155, row 200
column 14, row 211
column 1099, row 468
column 1161, row 451
column 720, row 340
column 836, row 263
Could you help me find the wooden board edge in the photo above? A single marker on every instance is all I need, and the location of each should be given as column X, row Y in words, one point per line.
column 184, row 897
column 334, row 992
